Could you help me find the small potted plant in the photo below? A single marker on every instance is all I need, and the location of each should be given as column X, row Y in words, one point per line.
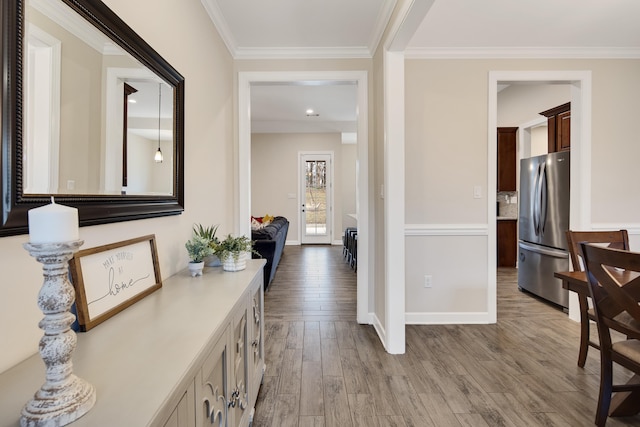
column 198, row 249
column 232, row 252
column 209, row 233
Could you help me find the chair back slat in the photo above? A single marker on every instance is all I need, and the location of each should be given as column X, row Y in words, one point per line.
column 613, row 239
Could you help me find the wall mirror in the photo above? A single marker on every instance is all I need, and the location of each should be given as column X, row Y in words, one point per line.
column 90, row 114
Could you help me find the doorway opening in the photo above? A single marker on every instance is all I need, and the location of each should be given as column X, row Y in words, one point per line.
column 580, row 190
column 363, row 208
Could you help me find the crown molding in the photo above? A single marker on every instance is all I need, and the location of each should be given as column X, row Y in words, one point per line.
column 220, row 24
column 523, row 53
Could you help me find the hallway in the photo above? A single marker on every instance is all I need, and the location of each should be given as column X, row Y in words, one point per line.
column 323, row 369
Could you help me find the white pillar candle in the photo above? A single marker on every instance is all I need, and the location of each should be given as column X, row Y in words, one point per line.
column 53, row 224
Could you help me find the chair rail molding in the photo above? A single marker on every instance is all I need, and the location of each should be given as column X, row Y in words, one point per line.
column 446, row 230
column 632, row 228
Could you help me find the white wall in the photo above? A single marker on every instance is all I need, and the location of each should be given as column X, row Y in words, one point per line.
column 275, row 175
column 522, row 102
column 539, row 141
column 377, row 298
column 208, row 160
column 446, row 155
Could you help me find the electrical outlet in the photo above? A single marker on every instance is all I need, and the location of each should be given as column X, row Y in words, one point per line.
column 427, row 281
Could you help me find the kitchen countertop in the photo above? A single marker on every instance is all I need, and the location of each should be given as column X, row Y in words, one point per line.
column 506, row 218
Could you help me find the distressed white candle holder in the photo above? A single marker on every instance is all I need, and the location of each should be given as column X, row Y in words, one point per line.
column 64, row 397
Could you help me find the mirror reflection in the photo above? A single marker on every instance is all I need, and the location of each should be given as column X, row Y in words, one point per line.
column 95, row 118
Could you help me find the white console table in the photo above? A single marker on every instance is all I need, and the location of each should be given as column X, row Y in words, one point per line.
column 190, row 354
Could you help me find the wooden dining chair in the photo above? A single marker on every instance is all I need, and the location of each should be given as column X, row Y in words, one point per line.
column 614, row 284
column 613, row 239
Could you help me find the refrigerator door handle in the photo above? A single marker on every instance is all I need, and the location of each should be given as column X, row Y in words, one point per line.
column 536, row 205
column 545, row 251
column 543, row 198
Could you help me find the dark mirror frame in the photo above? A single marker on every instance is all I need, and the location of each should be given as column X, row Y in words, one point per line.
column 92, row 209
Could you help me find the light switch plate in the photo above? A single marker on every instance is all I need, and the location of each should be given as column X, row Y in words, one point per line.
column 477, row 192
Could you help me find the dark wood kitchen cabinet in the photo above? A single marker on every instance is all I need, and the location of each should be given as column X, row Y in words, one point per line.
column 507, row 243
column 507, row 158
column 559, row 127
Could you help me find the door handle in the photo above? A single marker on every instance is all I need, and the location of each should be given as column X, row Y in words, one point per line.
column 536, row 203
column 543, row 198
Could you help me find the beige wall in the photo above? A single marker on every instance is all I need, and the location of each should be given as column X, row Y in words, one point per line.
column 275, row 175
column 446, row 155
column 446, row 142
column 176, row 31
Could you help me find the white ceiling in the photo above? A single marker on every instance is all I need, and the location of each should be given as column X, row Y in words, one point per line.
column 451, row 28
column 282, row 108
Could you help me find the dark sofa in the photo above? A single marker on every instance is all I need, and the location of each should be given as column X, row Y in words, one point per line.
column 269, row 242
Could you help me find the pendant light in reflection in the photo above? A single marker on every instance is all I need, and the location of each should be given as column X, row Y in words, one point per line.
column 159, row 157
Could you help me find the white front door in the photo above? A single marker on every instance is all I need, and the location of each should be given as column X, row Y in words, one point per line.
column 316, row 211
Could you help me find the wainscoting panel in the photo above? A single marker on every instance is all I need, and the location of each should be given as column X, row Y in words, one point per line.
column 454, row 257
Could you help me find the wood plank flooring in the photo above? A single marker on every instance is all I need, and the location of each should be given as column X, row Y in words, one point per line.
column 324, row 369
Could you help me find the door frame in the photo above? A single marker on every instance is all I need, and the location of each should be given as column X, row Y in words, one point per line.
column 364, row 209
column 301, row 190
column 46, row 52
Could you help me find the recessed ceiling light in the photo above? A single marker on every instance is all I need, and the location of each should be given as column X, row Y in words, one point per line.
column 309, row 111
column 132, row 101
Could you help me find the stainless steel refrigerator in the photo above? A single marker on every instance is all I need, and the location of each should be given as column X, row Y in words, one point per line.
column 543, row 220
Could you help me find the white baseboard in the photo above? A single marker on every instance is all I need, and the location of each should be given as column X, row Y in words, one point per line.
column 297, row 243
column 379, row 329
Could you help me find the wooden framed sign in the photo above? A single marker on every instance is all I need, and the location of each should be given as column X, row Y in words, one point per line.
column 112, row 277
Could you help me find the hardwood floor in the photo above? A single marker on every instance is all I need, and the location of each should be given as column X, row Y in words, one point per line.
column 324, row 369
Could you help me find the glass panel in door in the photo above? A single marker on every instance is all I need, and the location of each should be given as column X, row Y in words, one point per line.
column 316, row 205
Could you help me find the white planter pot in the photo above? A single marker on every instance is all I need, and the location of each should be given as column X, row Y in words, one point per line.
column 212, row 261
column 231, row 264
column 195, row 268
